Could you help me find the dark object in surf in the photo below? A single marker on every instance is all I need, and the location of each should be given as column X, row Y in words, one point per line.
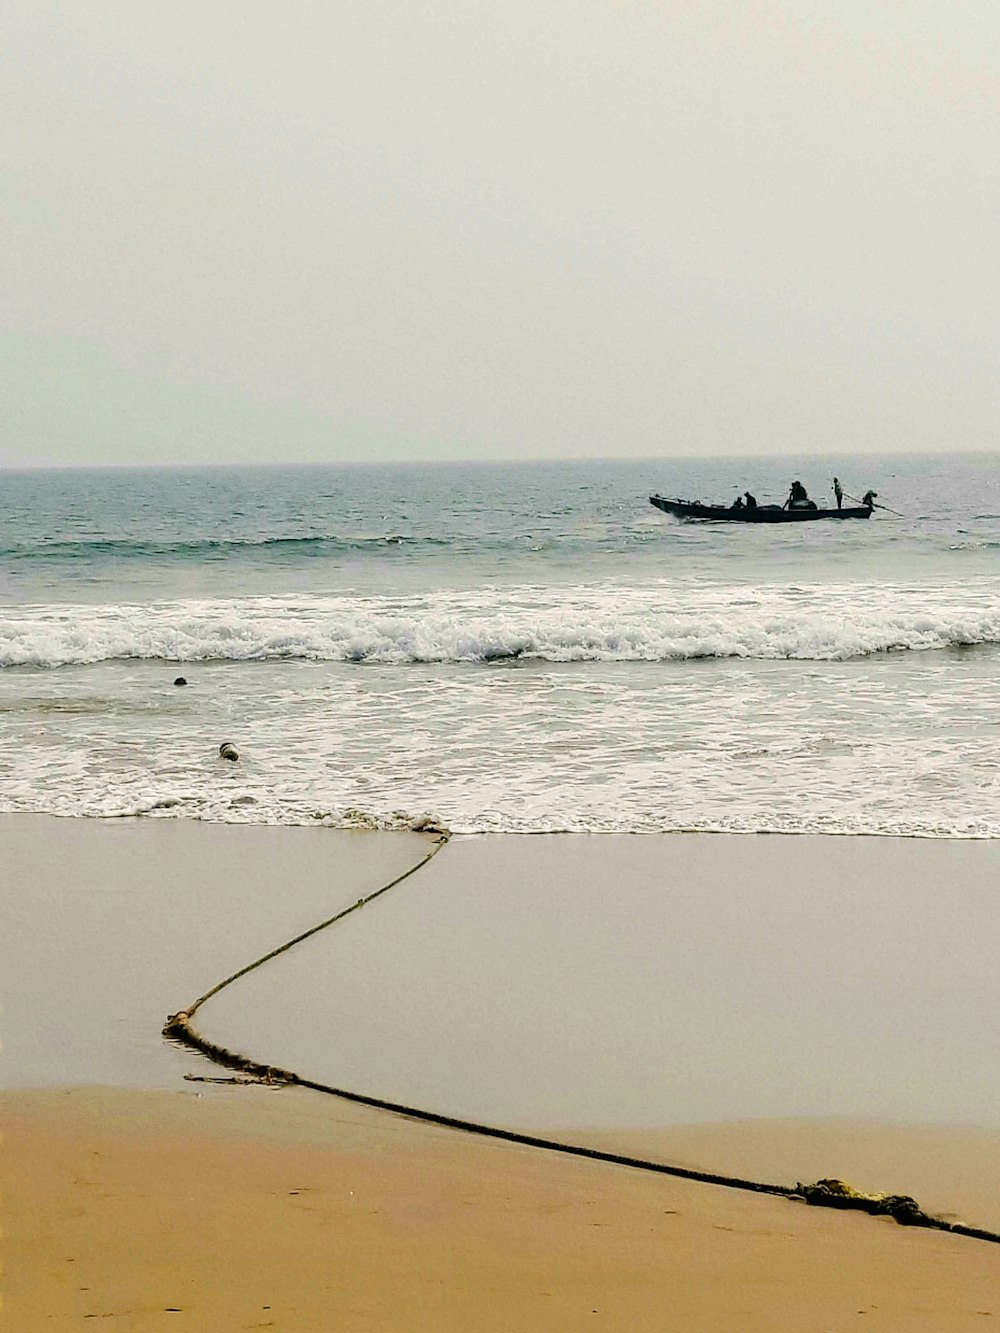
column 227, row 750
column 760, row 514
column 180, row 681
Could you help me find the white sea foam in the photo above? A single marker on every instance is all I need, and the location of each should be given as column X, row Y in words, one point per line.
column 730, row 678
column 659, row 624
column 906, row 744
column 628, row 817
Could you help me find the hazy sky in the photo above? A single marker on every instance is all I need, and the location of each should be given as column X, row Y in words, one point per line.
column 404, row 229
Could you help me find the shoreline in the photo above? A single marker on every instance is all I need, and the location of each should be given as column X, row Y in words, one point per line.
column 374, row 824
column 189, row 902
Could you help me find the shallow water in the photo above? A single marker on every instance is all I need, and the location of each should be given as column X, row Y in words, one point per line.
column 510, row 648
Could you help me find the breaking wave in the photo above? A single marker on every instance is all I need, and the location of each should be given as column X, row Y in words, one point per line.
column 580, row 625
column 208, row 547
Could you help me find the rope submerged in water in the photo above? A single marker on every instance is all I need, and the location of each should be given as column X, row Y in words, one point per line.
column 825, row 1193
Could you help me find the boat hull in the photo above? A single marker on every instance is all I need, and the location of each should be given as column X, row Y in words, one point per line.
column 762, row 514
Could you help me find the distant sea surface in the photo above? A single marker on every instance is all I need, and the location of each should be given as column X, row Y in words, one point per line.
column 523, row 647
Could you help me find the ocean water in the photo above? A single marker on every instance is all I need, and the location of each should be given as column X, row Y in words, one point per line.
column 526, row 647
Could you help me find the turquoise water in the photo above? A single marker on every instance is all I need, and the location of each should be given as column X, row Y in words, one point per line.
column 504, row 646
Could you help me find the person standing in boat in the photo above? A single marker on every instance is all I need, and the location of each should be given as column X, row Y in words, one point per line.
column 751, row 500
column 838, row 491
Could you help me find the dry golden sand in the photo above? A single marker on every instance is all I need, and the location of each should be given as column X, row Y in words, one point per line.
column 953, row 1172
column 245, row 1208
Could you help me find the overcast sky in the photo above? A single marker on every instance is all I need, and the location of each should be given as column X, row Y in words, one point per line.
column 405, row 229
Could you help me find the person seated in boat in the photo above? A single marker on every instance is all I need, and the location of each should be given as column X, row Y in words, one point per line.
column 751, row 500
column 798, row 497
column 869, row 498
column 737, row 503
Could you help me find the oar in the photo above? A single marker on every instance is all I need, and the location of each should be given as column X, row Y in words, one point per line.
column 876, row 505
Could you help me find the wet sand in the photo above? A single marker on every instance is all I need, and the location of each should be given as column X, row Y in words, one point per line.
column 106, row 926
column 208, row 1204
column 638, row 983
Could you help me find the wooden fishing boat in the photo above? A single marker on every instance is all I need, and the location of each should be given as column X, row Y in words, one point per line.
column 761, row 514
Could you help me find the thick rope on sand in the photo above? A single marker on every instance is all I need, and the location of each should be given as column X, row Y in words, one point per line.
column 825, row 1193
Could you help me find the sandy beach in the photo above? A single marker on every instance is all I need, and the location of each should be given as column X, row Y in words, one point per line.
column 133, row 1195
column 262, row 1209
column 484, row 847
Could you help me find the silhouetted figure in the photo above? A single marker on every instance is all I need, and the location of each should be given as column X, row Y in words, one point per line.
column 838, row 491
column 798, row 497
column 869, row 498
column 751, row 501
column 737, row 503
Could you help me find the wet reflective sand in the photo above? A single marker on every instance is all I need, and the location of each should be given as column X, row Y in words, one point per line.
column 107, row 926
column 636, row 983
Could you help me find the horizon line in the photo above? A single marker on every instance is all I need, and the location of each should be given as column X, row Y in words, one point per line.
column 274, row 464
